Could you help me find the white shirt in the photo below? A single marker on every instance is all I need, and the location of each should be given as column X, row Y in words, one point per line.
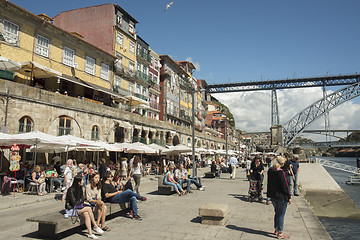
column 69, row 174
column 233, row 161
column 248, row 164
column 137, row 169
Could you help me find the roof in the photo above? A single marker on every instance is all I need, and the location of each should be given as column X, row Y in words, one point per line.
column 174, row 63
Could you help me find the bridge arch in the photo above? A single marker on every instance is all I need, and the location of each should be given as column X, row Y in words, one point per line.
column 297, row 124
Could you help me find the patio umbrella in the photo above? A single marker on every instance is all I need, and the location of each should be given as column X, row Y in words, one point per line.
column 177, row 150
column 9, row 65
column 37, row 70
column 157, row 147
column 139, row 148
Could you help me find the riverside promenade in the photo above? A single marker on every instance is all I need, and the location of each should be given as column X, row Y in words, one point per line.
column 175, row 217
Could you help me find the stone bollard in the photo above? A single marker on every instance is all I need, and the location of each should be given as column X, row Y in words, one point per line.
column 214, row 214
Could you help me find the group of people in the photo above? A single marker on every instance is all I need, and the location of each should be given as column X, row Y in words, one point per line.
column 105, row 185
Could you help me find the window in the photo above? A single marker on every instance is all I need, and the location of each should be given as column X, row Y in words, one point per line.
column 95, row 133
column 144, row 91
column 132, row 47
column 117, row 81
column 10, row 32
column 69, row 57
column 131, row 87
column 118, row 19
column 145, row 69
column 131, row 68
column 25, row 124
column 64, row 125
column 138, row 88
column 119, row 38
column 90, row 65
column 104, row 71
column 42, row 46
column 131, row 29
column 138, row 66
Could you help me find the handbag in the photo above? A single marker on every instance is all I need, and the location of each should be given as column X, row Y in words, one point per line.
column 75, row 212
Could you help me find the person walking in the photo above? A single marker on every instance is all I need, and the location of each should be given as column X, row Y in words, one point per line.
column 279, row 193
column 136, row 170
column 233, row 162
column 295, row 169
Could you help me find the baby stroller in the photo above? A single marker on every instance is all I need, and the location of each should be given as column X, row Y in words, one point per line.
column 255, row 187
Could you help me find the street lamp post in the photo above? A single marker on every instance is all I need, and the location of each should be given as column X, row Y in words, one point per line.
column 193, row 130
column 226, row 139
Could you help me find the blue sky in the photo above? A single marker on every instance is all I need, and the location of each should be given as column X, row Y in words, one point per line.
column 250, row 40
column 243, row 40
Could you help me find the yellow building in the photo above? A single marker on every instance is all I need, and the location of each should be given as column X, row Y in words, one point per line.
column 52, row 58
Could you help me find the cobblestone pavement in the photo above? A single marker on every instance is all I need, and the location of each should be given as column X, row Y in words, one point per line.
column 176, row 217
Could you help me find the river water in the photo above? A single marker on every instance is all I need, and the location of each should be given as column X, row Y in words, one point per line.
column 340, row 229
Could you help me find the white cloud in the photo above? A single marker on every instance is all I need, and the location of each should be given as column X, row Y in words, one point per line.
column 252, row 110
column 196, row 64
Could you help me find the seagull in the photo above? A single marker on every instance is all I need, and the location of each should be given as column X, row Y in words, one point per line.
column 167, row 6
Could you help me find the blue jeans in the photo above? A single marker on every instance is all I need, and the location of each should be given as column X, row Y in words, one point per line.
column 177, row 186
column 189, row 181
column 295, row 184
column 127, row 196
column 280, row 210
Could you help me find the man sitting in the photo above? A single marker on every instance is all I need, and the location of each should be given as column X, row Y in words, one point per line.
column 111, row 194
column 181, row 176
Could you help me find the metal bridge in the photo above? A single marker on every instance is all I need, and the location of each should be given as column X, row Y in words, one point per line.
column 325, row 144
column 296, row 125
column 283, row 84
column 338, row 166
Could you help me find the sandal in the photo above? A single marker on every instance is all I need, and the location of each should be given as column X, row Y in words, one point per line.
column 105, row 229
column 282, row 236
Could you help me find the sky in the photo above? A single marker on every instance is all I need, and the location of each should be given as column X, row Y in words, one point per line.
column 250, row 40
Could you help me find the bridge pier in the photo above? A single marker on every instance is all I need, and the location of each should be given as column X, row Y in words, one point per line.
column 276, row 135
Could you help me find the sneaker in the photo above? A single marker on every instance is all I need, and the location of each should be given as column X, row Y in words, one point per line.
column 143, row 198
column 137, row 217
column 98, row 230
column 295, row 194
column 92, row 236
column 190, row 191
column 201, row 189
column 130, row 214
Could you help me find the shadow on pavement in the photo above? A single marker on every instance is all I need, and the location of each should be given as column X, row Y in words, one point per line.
column 251, row 231
column 196, row 220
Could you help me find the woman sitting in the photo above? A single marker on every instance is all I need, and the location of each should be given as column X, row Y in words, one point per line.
column 169, row 180
column 75, row 200
column 93, row 196
column 40, row 181
column 111, row 194
column 214, row 169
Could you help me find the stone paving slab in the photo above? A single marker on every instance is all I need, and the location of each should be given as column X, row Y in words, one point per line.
column 176, row 217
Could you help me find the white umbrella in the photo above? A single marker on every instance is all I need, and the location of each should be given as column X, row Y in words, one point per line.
column 157, row 147
column 177, row 150
column 7, row 64
column 139, row 148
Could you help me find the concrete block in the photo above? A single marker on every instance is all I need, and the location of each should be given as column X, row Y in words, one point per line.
column 219, row 221
column 213, row 210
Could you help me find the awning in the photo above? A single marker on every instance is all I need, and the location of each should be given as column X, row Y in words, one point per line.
column 134, row 101
column 173, row 132
column 75, row 80
column 124, row 124
column 9, row 65
column 31, row 68
column 145, row 128
column 152, row 130
column 105, row 90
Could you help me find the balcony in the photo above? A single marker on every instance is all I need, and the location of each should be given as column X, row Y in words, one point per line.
column 145, row 56
column 155, row 86
column 141, row 96
column 185, row 116
column 184, row 84
column 155, row 105
column 158, row 142
column 142, row 76
column 125, row 72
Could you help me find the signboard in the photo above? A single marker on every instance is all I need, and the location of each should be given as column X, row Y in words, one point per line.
column 14, row 158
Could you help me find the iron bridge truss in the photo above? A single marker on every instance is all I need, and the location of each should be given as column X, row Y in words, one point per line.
column 296, row 125
column 325, row 144
column 283, row 84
